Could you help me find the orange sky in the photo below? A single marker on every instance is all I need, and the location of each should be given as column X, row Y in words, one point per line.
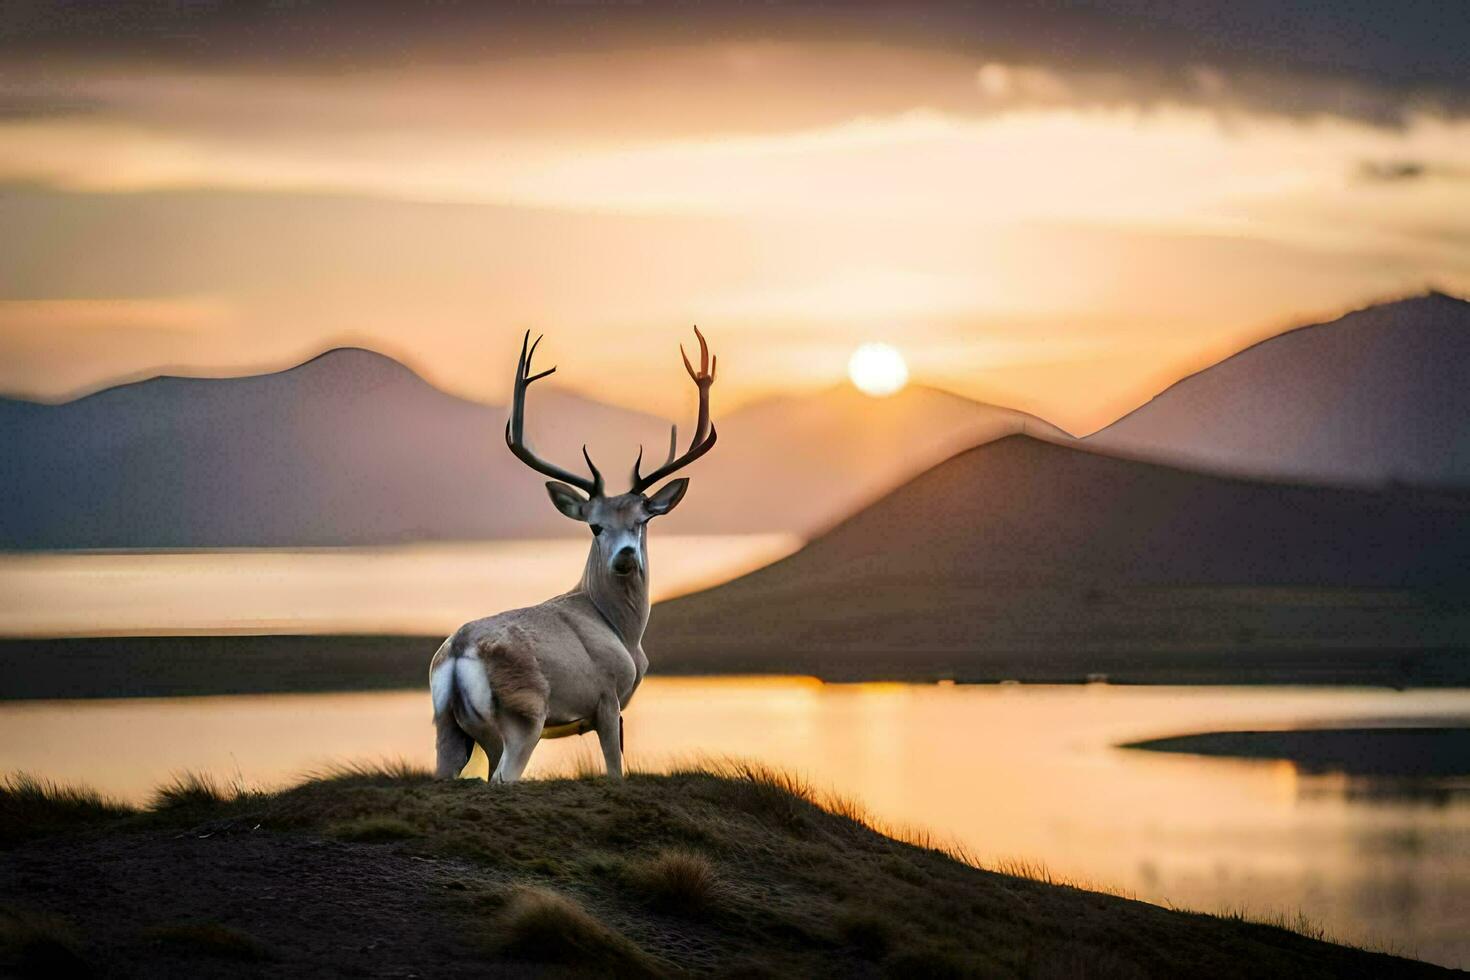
column 1052, row 237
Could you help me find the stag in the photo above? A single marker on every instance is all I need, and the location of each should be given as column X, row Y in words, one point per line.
column 571, row 664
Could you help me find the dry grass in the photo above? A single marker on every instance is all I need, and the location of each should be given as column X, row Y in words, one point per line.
column 30, row 807
column 545, row 926
column 1296, row 921
column 675, row 880
column 1299, row 922
column 371, row 830
column 194, row 790
column 397, row 770
column 731, row 867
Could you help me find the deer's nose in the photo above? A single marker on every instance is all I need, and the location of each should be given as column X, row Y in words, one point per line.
column 625, row 560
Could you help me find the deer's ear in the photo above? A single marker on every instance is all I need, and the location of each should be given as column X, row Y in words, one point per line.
column 568, row 500
column 668, row 496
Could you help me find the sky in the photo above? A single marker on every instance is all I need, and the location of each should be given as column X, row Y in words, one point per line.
column 1057, row 207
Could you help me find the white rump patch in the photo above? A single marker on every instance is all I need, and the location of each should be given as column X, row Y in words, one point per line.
column 441, row 686
column 474, row 686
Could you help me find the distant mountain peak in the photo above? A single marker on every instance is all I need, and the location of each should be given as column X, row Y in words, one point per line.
column 362, row 362
column 1378, row 395
column 1440, row 296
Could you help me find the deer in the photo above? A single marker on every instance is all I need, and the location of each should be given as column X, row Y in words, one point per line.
column 571, row 664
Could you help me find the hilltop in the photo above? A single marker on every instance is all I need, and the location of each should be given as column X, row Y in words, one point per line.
column 1378, row 396
column 739, row 872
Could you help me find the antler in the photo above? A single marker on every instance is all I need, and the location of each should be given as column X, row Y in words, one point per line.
column 704, row 431
column 515, row 428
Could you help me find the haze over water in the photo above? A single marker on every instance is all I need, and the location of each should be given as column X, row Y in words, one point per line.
column 1010, row 772
column 423, row 588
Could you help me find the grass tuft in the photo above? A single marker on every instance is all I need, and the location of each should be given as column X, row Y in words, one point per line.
column 193, row 789
column 1295, row 921
column 676, row 880
column 544, row 926
column 32, row 807
column 372, row 830
column 211, row 939
column 397, row 770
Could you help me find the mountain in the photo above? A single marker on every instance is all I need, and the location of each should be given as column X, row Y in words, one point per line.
column 348, row 448
column 1381, row 395
column 354, row 448
column 1023, row 557
column 801, row 463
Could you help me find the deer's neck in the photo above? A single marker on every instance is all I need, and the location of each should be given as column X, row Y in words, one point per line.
column 622, row 599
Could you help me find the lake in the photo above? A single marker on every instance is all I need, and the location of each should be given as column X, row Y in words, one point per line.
column 1011, row 772
column 416, row 589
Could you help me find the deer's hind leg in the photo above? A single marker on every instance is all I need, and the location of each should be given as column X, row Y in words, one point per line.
column 452, row 747
column 494, row 749
column 521, row 735
column 521, row 694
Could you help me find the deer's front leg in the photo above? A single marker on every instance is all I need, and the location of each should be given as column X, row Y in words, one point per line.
column 610, row 735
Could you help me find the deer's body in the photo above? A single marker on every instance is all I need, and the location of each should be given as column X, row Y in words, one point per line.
column 571, row 664
column 564, row 667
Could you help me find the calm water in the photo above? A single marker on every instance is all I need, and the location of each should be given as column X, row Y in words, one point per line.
column 1009, row 771
column 429, row 588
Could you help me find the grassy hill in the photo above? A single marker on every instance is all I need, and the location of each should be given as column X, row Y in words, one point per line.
column 1040, row 561
column 737, row 872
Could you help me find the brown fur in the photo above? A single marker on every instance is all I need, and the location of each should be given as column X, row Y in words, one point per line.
column 516, row 679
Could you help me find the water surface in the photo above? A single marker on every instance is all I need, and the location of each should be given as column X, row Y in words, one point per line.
column 416, row 589
column 1011, row 772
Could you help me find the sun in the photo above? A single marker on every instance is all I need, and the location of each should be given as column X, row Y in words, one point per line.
column 878, row 370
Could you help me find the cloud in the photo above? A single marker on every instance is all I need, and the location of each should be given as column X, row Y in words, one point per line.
column 20, row 105
column 1355, row 58
column 1390, row 171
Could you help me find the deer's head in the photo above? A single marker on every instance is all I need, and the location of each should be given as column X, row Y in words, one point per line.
column 619, row 522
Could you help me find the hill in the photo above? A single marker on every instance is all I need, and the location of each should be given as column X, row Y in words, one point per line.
column 350, row 447
column 354, row 448
column 1381, row 395
column 739, row 872
column 1030, row 559
column 801, row 463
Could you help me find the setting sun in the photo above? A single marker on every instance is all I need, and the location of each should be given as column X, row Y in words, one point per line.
column 878, row 370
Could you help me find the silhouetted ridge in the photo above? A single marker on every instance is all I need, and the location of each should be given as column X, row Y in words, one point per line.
column 354, row 448
column 1380, row 395
column 350, row 447
column 1034, row 547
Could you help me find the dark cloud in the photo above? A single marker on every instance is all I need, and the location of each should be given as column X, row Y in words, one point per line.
column 1361, row 59
column 1391, row 171
column 21, row 106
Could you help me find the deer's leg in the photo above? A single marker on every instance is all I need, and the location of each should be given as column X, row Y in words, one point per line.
column 489, row 741
column 609, row 723
column 520, row 735
column 452, row 746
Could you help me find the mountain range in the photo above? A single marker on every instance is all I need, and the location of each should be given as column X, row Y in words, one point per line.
column 354, row 448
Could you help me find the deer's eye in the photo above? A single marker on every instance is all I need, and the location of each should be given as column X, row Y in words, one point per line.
column 596, row 529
